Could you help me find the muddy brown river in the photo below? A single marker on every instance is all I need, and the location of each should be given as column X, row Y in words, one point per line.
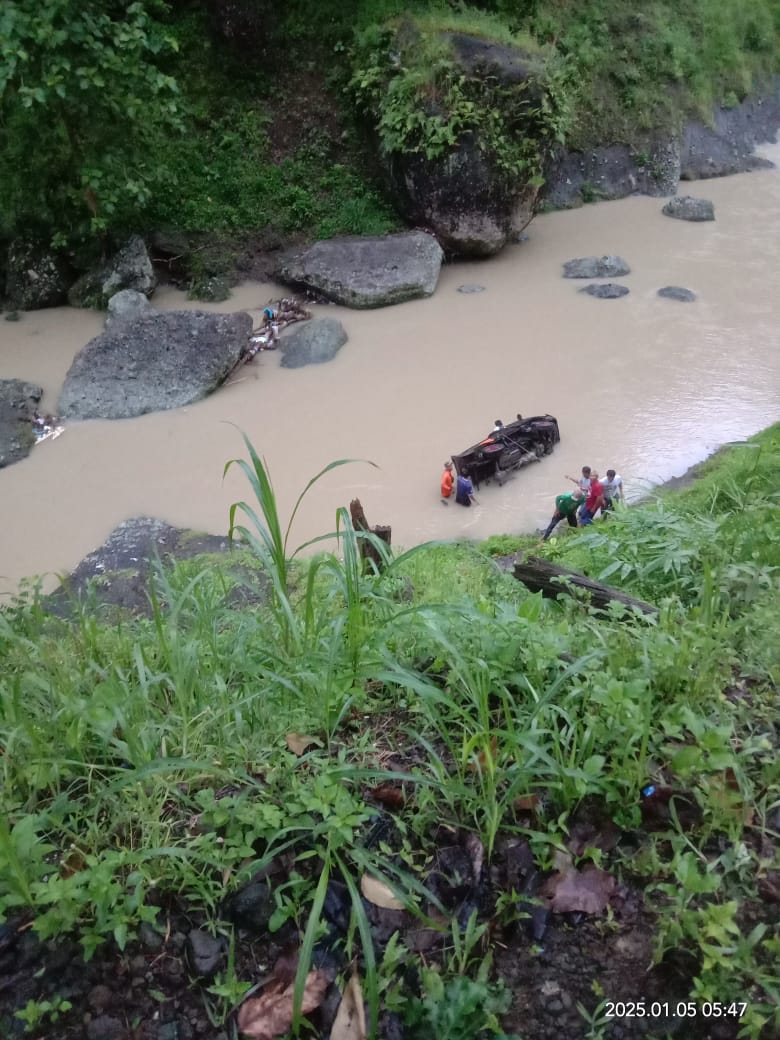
column 642, row 384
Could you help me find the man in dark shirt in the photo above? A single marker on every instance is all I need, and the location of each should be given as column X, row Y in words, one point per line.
column 464, row 491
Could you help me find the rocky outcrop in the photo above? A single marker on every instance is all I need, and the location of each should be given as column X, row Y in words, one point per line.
column 685, row 207
column 605, row 290
column 463, row 152
column 18, row 402
column 596, row 267
column 656, row 163
column 35, row 277
column 312, row 343
column 157, row 362
column 366, row 272
column 130, row 268
column 677, row 292
column 124, row 564
column 127, row 305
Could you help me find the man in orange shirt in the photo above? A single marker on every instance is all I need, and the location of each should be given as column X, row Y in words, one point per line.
column 446, row 482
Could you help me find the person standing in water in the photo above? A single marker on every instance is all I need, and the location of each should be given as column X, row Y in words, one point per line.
column 464, row 490
column 446, row 482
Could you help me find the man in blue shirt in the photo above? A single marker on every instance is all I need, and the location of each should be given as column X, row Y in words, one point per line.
column 464, row 491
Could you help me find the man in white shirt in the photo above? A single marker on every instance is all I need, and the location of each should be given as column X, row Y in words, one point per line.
column 613, row 489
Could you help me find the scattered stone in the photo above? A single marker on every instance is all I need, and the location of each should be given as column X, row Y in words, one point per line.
column 312, row 343
column 18, row 401
column 471, row 288
column 130, row 268
column 104, row 1027
column 204, row 953
column 251, row 907
column 149, row 937
column 160, row 361
column 210, row 288
column 127, row 305
column 677, row 292
column 605, row 290
column 366, row 271
column 100, row 997
column 596, row 267
column 685, row 207
column 35, row 277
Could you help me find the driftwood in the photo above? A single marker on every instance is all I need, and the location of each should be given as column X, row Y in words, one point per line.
column 368, row 551
column 542, row 576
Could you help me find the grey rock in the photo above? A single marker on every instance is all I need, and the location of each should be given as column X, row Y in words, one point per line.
column 156, row 362
column 210, row 288
column 105, row 1027
column 471, row 288
column 605, row 290
column 18, row 401
column 685, row 207
column 130, row 268
column 366, row 271
column 127, row 305
column 35, row 277
column 100, row 997
column 658, row 161
column 312, row 343
column 205, row 952
column 148, row 936
column 596, row 267
column 677, row 292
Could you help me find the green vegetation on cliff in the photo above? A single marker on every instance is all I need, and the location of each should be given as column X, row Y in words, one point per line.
column 162, row 762
column 117, row 117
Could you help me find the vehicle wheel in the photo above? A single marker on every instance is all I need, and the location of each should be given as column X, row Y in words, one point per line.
column 539, row 449
column 549, row 447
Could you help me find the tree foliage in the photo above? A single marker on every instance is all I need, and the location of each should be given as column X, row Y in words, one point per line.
column 83, row 101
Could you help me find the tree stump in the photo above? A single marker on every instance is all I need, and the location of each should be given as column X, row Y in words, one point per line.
column 369, row 553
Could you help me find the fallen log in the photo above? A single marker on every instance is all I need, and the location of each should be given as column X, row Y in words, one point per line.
column 552, row 581
column 369, row 553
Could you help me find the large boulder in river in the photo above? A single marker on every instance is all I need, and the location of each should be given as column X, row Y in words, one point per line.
column 596, row 267
column 35, row 277
column 366, row 272
column 157, row 362
column 312, row 343
column 462, row 125
column 18, row 402
column 685, row 207
column 130, row 268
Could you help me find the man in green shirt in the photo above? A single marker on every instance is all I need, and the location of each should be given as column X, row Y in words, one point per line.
column 565, row 506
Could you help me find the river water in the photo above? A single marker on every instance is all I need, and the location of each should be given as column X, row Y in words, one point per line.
column 642, row 384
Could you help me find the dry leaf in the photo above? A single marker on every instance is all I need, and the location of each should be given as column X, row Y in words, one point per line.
column 271, row 1015
column 299, row 742
column 350, row 1021
column 587, row 891
column 527, row 803
column 388, row 794
column 380, row 894
column 481, row 762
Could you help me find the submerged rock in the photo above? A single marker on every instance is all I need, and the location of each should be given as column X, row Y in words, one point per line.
column 366, row 271
column 18, row 401
column 312, row 343
column 686, row 207
column 605, row 290
column 157, row 362
column 596, row 267
column 677, row 292
column 130, row 268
